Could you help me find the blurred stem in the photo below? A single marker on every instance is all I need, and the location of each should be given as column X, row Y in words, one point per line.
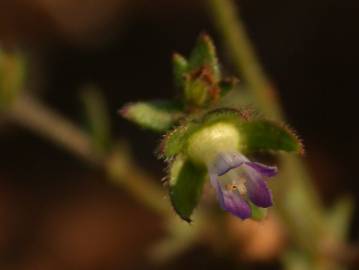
column 236, row 40
column 298, row 201
column 33, row 115
column 124, row 172
column 119, row 167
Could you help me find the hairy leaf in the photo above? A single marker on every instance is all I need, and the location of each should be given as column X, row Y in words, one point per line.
column 175, row 140
column 264, row 135
column 180, row 66
column 186, row 184
column 204, row 55
column 155, row 115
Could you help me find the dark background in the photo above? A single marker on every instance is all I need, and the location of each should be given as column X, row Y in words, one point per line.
column 50, row 202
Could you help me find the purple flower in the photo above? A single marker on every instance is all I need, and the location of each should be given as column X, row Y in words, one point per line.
column 237, row 181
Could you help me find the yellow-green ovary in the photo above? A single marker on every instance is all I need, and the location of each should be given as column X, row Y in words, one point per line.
column 207, row 143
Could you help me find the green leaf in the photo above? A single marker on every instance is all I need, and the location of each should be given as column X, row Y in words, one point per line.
column 180, row 66
column 155, row 115
column 264, row 135
column 97, row 118
column 175, row 140
column 186, row 183
column 204, row 55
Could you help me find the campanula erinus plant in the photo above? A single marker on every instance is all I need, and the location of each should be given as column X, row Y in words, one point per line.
column 205, row 140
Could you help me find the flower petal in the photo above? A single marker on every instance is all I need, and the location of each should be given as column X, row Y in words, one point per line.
column 265, row 170
column 226, row 162
column 258, row 190
column 217, row 186
column 236, row 205
column 231, row 201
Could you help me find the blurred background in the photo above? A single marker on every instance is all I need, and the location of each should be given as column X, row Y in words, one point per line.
column 56, row 212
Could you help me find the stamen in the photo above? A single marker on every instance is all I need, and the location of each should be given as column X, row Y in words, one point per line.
column 231, row 187
column 237, row 186
column 241, row 187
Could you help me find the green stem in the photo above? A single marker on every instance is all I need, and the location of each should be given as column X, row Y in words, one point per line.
column 33, row 115
column 236, row 40
column 297, row 200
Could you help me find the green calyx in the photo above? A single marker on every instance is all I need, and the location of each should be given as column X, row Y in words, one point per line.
column 193, row 146
column 202, row 139
column 227, row 130
column 192, row 132
column 204, row 145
